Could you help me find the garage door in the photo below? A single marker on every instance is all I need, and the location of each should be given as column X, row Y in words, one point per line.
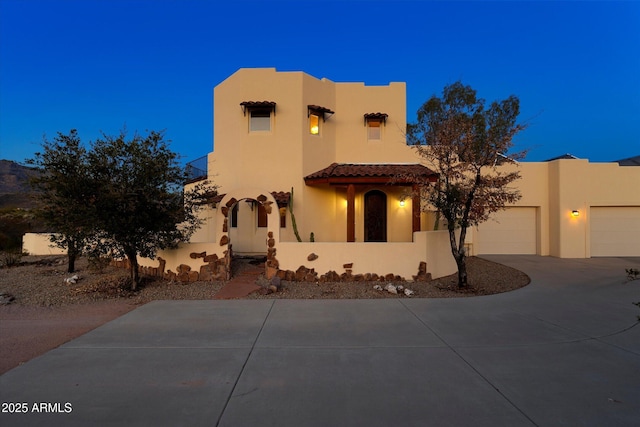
column 512, row 231
column 615, row 231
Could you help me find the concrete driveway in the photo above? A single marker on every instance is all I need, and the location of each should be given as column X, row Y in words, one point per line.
column 563, row 351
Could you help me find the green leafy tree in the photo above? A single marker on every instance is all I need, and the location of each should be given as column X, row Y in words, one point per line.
column 140, row 205
column 466, row 143
column 63, row 193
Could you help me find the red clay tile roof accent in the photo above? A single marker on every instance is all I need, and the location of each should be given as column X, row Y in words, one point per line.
column 218, row 198
column 344, row 173
column 320, row 109
column 282, row 197
column 258, row 104
column 249, row 105
column 378, row 115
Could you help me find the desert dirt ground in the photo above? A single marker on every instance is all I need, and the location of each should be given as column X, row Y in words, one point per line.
column 47, row 311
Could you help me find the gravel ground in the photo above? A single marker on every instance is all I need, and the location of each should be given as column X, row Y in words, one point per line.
column 485, row 278
column 40, row 281
column 47, row 311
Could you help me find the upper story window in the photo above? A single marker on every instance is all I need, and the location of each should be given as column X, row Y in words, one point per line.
column 374, row 123
column 315, row 112
column 314, row 124
column 374, row 129
column 260, row 120
column 260, row 113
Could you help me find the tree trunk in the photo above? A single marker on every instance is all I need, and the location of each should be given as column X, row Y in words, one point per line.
column 72, row 255
column 133, row 269
column 458, row 252
column 72, row 262
column 461, row 261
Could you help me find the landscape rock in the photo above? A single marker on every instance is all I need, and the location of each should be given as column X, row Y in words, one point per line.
column 391, row 289
column 6, row 298
column 211, row 258
column 276, row 281
column 72, row 280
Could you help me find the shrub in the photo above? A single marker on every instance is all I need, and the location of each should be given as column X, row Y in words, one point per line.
column 10, row 259
column 98, row 263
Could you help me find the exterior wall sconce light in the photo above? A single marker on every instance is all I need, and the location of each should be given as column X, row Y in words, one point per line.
column 575, row 213
column 402, row 202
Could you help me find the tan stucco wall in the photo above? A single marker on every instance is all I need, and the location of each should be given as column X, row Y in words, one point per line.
column 356, row 99
column 39, row 244
column 557, row 188
column 398, row 258
column 176, row 257
column 280, row 158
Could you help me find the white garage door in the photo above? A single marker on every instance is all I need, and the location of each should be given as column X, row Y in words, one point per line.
column 512, row 231
column 615, row 231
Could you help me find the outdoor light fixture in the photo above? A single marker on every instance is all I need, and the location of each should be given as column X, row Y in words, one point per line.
column 575, row 213
column 401, row 202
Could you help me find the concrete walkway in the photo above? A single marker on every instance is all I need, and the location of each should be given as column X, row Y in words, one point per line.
column 563, row 351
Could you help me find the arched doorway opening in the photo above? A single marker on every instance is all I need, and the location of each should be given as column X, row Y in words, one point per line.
column 248, row 223
column 375, row 216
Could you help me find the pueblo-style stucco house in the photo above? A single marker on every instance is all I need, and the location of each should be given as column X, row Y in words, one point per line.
column 339, row 147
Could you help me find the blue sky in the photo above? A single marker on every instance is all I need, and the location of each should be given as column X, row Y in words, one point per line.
column 100, row 65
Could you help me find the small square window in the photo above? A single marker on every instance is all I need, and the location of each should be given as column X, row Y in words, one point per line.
column 374, row 129
column 314, row 124
column 234, row 216
column 262, row 215
column 260, row 120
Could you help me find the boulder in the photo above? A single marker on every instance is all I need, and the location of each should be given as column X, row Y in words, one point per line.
column 301, row 272
column 271, row 272
column 211, row 258
column 183, row 268
column 276, row 281
column 391, row 289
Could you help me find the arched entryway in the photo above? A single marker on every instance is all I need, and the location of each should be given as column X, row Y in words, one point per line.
column 375, row 216
column 247, row 223
column 262, row 207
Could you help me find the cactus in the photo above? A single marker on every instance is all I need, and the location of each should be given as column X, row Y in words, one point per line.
column 293, row 217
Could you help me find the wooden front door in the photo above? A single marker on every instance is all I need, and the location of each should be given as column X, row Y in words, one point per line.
column 375, row 216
